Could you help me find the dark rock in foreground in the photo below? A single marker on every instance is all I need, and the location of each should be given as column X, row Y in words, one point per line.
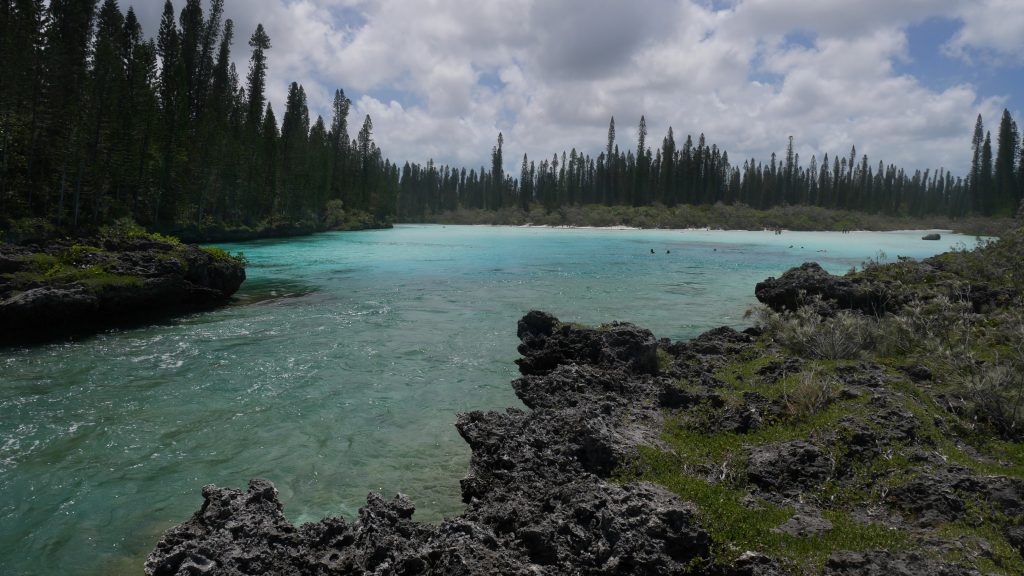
column 68, row 288
column 540, row 496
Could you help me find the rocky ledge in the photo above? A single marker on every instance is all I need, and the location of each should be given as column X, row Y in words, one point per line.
column 80, row 286
column 645, row 456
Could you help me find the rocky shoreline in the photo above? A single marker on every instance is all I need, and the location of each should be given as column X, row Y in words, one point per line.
column 727, row 455
column 538, row 496
column 83, row 285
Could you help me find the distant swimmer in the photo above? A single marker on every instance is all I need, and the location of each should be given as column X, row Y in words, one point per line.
column 652, row 250
column 790, row 245
column 668, row 251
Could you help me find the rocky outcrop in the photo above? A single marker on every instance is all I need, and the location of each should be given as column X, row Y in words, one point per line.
column 810, row 284
column 547, row 343
column 799, row 286
column 538, row 496
column 787, row 469
column 70, row 288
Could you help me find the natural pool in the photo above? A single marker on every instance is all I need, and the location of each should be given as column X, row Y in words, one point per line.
column 339, row 371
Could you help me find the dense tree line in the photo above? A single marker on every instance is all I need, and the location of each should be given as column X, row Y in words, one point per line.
column 97, row 122
column 699, row 173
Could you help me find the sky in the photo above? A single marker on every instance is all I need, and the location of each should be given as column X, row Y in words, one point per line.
column 903, row 80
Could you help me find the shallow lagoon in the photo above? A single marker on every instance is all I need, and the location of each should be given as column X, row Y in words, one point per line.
column 339, row 370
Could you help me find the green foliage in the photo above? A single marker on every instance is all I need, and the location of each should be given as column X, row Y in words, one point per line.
column 716, row 216
column 709, row 468
column 983, row 543
column 336, row 217
column 124, row 229
column 334, row 214
column 993, row 262
column 225, row 256
column 665, row 360
column 78, row 254
column 24, row 230
column 165, row 131
column 965, row 410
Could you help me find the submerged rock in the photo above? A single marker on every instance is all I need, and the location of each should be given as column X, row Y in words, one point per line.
column 932, row 236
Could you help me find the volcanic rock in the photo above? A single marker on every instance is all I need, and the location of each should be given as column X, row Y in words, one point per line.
column 798, row 286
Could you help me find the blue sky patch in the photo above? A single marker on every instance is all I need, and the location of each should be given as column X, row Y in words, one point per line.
column 938, row 71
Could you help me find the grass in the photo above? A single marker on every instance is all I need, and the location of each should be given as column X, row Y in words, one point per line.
column 709, row 469
column 127, row 229
column 741, row 375
column 696, row 446
column 71, row 267
column 77, row 254
column 665, row 360
column 49, row 269
column 984, row 543
column 735, row 527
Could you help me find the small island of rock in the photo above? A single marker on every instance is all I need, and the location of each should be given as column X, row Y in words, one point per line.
column 79, row 286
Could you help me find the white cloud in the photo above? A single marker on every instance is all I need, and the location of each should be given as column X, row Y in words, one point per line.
column 549, row 74
column 994, row 27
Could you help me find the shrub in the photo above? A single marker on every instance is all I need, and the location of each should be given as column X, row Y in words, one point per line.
column 124, row 229
column 810, row 395
column 27, row 230
column 844, row 335
column 334, row 213
column 996, row 394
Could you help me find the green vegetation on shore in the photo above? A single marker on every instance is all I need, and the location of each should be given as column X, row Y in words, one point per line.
column 719, row 216
column 915, row 416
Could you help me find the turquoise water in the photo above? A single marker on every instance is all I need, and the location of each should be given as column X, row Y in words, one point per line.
column 339, row 371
